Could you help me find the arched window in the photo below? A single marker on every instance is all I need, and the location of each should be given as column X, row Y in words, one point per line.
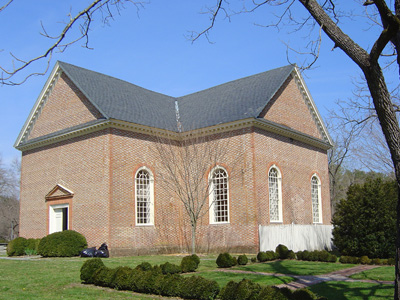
column 275, row 194
column 316, row 199
column 144, row 197
column 219, row 198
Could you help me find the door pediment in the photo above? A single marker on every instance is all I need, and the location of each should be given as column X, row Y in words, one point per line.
column 59, row 192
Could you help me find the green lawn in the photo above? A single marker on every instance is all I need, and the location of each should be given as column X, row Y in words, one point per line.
column 381, row 273
column 223, row 278
column 58, row 278
column 295, row 267
column 338, row 290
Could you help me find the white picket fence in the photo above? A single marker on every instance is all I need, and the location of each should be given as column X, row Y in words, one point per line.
column 296, row 237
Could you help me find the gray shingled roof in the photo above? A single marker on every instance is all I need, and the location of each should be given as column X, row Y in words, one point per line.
column 235, row 100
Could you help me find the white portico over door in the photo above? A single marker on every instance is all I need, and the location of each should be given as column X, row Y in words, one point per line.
column 59, row 207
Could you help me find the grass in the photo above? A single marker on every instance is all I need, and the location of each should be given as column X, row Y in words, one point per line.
column 56, row 278
column 381, row 273
column 295, row 267
column 222, row 278
column 338, row 290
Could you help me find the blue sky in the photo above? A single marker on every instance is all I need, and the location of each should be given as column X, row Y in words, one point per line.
column 151, row 49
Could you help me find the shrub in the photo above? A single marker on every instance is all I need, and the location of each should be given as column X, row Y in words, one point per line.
column 225, row 260
column 282, row 251
column 62, row 244
column 144, row 266
column 32, row 244
column 253, row 259
column 196, row 259
column 261, row 256
column 273, row 293
column 242, row 260
column 169, row 268
column 291, row 255
column 243, row 290
column 104, row 276
column 364, row 222
column 303, row 294
column 391, row 261
column 196, row 287
column 16, row 247
column 89, row 268
column 190, row 263
column 364, row 260
column 376, row 261
column 122, row 278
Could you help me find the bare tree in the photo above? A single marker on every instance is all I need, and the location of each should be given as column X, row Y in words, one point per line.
column 324, row 16
column 9, row 204
column 184, row 167
column 76, row 30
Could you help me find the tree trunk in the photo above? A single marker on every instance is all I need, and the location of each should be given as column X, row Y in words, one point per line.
column 390, row 127
column 194, row 225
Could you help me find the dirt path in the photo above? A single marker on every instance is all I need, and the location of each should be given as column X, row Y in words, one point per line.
column 303, row 281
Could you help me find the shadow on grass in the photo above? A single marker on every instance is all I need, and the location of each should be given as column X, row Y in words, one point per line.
column 353, row 290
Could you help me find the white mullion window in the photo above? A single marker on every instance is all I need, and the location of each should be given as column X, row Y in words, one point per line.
column 275, row 194
column 316, row 199
column 144, row 198
column 219, row 196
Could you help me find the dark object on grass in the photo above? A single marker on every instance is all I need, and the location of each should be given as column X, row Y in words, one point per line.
column 88, row 252
column 102, row 251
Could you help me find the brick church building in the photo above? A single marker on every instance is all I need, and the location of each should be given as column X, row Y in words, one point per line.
column 87, row 163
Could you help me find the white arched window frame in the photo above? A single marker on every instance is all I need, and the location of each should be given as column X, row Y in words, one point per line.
column 316, row 199
column 144, row 197
column 219, row 196
column 275, row 194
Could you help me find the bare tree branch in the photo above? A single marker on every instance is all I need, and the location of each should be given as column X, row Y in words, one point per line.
column 61, row 44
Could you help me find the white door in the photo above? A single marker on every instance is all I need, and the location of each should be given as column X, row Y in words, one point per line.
column 58, row 218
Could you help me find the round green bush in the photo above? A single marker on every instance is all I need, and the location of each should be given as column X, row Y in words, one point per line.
column 169, row 268
column 282, row 251
column 261, row 256
column 225, row 260
column 243, row 290
column 365, row 260
column 242, row 260
column 32, row 244
column 104, row 276
column 303, row 294
column 144, row 266
column 196, row 259
column 197, row 287
column 16, row 247
column 66, row 243
column 272, row 293
column 89, row 268
column 189, row 263
column 122, row 278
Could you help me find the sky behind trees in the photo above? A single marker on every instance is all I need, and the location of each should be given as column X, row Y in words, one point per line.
column 152, row 48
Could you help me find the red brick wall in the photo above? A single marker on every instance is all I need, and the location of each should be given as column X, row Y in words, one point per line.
column 99, row 168
column 289, row 108
column 65, row 107
column 81, row 165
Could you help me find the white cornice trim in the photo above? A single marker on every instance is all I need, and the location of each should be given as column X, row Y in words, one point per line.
column 39, row 104
column 132, row 127
column 311, row 106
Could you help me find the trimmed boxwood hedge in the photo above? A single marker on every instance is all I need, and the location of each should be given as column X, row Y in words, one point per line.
column 248, row 290
column 150, row 281
column 65, row 243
